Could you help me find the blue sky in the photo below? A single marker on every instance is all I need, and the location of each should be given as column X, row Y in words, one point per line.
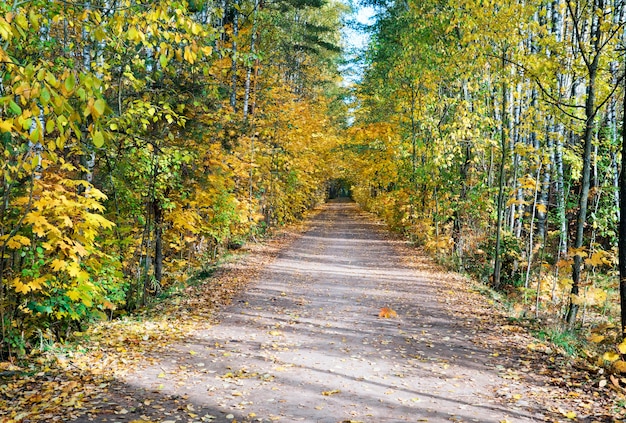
column 355, row 40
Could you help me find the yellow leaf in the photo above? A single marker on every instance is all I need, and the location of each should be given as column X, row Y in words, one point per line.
column 528, row 183
column 596, row 259
column 189, row 55
column 622, row 347
column 515, row 201
column 82, row 276
column 20, row 287
column 22, row 21
column 80, row 249
column 98, row 139
column 73, row 269
column 610, row 356
column 18, row 241
column 541, row 208
column 133, row 34
column 38, row 221
column 6, row 125
column 73, row 295
column 596, row 339
column 100, row 106
column 620, row 366
column 570, row 415
column 35, row 284
column 564, row 263
column 329, row 393
column 582, row 252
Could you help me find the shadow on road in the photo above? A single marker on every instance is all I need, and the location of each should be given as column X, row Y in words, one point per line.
column 305, row 343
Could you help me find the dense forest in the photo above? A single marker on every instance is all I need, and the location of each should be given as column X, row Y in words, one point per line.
column 491, row 133
column 142, row 139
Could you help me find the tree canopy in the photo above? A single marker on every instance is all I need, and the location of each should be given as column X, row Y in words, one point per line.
column 489, row 132
column 141, row 138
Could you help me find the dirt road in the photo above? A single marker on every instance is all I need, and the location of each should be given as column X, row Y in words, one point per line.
column 305, row 343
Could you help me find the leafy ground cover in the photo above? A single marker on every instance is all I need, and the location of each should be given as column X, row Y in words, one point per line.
column 62, row 382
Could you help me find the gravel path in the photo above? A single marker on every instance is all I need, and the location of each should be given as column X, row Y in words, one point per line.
column 305, row 343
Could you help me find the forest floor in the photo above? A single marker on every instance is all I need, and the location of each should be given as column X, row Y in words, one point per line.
column 304, row 339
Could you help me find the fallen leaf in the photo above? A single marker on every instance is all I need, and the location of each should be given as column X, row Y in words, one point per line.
column 570, row 415
column 329, row 393
column 610, row 356
column 596, row 339
column 387, row 313
column 620, row 366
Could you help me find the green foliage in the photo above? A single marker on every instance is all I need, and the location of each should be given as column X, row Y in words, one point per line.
column 459, row 100
column 566, row 341
column 125, row 165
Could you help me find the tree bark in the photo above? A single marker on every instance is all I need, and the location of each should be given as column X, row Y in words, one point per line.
column 158, row 240
column 622, row 226
column 497, row 268
column 542, row 215
column 583, row 199
column 233, row 65
column 246, row 94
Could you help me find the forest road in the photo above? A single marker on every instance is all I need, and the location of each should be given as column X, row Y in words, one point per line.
column 306, row 344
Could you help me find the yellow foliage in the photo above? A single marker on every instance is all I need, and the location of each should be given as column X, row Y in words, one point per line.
column 611, row 356
column 619, row 366
column 581, row 252
column 17, row 241
column 595, row 338
column 599, row 258
column 577, row 299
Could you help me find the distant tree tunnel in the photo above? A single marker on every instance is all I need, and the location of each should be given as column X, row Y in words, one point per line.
column 339, row 188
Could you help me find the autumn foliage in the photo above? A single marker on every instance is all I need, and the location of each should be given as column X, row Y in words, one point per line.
column 140, row 139
column 387, row 313
column 489, row 134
